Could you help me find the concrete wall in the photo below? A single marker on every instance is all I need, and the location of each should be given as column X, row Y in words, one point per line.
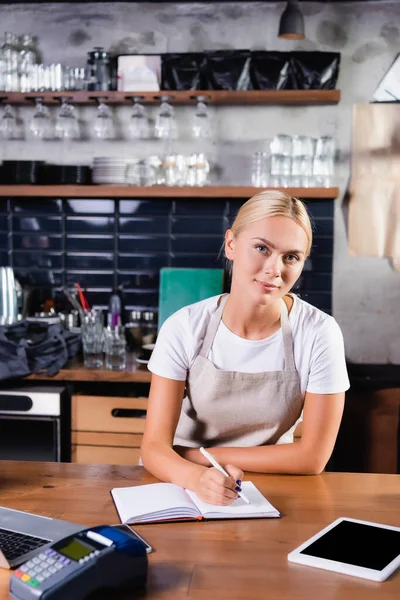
column 366, row 290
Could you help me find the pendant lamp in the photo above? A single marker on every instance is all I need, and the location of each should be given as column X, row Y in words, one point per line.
column 291, row 26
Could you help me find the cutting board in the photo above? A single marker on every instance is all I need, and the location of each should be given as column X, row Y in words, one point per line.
column 180, row 287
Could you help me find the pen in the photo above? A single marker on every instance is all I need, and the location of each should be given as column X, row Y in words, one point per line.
column 221, row 470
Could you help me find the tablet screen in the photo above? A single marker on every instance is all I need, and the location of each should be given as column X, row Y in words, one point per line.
column 357, row 544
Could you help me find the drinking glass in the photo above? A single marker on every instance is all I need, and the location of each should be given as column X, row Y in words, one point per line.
column 281, row 144
column 280, row 170
column 302, row 145
column 325, row 146
column 115, row 349
column 165, row 125
column 324, row 159
column 40, row 125
column 201, row 125
column 260, row 169
column 8, row 123
column 67, row 126
column 92, row 330
column 103, row 127
column 139, row 123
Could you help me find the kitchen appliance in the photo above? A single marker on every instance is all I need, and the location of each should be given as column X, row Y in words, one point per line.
column 35, row 424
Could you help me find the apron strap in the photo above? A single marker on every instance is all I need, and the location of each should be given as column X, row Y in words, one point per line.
column 287, row 338
column 212, row 328
column 285, row 327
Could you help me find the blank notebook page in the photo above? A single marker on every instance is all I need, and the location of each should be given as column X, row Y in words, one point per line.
column 258, row 503
column 145, row 499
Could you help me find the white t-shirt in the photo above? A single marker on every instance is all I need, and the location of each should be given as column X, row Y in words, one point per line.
column 317, row 341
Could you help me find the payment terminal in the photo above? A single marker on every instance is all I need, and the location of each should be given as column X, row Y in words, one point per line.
column 80, row 564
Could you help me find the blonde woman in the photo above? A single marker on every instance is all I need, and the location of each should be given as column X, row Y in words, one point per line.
column 236, row 373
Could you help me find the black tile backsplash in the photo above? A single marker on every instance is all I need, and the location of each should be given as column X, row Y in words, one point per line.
column 37, row 206
column 196, row 225
column 103, row 243
column 148, row 243
column 192, row 243
column 37, row 224
column 3, row 241
column 152, row 207
column 155, row 225
column 35, row 241
column 89, row 243
column 89, row 224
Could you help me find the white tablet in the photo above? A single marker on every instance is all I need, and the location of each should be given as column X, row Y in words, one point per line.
column 360, row 548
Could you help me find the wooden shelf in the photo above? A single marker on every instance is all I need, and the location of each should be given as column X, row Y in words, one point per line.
column 180, row 97
column 111, row 191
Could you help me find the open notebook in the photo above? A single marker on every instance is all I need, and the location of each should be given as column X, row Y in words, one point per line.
column 169, row 502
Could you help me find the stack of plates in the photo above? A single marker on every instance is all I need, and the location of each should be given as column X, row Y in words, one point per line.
column 66, row 174
column 112, row 171
column 20, row 171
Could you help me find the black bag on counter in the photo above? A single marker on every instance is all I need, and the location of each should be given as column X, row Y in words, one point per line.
column 227, row 70
column 270, row 70
column 13, row 358
column 182, row 71
column 35, row 348
column 314, row 70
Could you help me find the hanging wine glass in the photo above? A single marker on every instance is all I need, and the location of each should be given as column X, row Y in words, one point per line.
column 201, row 123
column 40, row 125
column 165, row 125
column 103, row 127
column 139, row 122
column 8, row 124
column 67, row 126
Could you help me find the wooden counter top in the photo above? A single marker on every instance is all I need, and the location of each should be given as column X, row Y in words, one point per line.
column 74, row 370
column 227, row 560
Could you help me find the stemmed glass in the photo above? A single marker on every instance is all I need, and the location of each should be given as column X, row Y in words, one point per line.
column 8, row 124
column 103, row 127
column 139, row 122
column 40, row 125
column 67, row 126
column 201, row 125
column 165, row 125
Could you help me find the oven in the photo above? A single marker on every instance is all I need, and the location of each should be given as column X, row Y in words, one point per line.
column 35, row 424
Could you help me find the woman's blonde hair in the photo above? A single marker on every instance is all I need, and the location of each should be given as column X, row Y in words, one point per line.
column 273, row 203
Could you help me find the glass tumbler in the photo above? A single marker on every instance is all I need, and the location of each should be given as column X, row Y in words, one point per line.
column 92, row 339
column 115, row 348
column 260, row 169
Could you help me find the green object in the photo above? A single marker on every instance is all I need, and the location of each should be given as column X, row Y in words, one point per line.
column 180, row 287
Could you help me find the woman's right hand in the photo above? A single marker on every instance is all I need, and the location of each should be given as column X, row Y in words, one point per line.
column 215, row 488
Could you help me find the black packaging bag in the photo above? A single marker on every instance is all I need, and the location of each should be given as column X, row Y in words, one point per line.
column 269, row 70
column 182, row 71
column 314, row 70
column 227, row 70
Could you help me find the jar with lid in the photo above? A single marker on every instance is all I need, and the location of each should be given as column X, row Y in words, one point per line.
column 98, row 70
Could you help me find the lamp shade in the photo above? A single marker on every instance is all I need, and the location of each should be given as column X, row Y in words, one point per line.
column 291, row 26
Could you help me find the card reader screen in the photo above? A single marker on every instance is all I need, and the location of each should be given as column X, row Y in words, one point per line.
column 75, row 550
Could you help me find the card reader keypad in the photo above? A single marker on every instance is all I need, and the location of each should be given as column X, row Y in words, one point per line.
column 46, row 564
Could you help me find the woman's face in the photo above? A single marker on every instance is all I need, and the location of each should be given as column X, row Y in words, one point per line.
column 268, row 257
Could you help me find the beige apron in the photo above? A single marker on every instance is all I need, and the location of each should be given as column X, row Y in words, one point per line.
column 230, row 408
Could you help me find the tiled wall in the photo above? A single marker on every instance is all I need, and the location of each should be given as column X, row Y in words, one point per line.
column 104, row 243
